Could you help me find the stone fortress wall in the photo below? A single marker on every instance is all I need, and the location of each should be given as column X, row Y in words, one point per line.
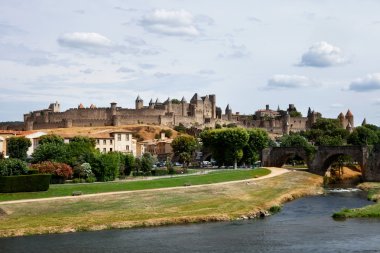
column 200, row 112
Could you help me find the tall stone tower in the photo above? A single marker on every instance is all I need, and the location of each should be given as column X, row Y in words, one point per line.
column 139, row 103
column 213, row 105
column 183, row 104
column 350, row 118
column 151, row 104
column 228, row 112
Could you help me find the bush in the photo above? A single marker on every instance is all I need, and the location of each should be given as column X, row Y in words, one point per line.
column 56, row 169
column 106, row 167
column 13, row 167
column 18, row 147
column 91, row 179
column 83, row 170
column 25, row 183
column 159, row 172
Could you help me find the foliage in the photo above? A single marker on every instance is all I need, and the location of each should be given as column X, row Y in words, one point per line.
column 231, row 125
column 183, row 147
column 54, row 168
column 175, row 101
column 258, row 140
column 226, row 145
column 13, row 167
column 106, row 166
column 51, row 138
column 147, row 162
column 218, row 126
column 294, row 114
column 180, row 128
column 24, row 183
column 83, row 171
column 79, row 150
column 327, row 132
column 50, row 151
column 129, row 164
column 363, row 135
column 168, row 132
column 17, row 147
column 297, row 140
column 2, row 155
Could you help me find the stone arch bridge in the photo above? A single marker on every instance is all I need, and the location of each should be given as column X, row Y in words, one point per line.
column 320, row 161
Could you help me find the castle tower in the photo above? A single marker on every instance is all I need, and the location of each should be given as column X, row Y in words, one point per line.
column 228, row 112
column 349, row 127
column 350, row 118
column 55, row 107
column 139, row 103
column 341, row 120
column 113, row 108
column 168, row 105
column 213, row 105
column 183, row 103
column 286, row 124
column 151, row 104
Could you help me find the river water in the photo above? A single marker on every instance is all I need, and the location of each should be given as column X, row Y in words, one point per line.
column 304, row 225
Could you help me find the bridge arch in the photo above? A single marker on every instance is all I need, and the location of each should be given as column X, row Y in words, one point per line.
column 277, row 156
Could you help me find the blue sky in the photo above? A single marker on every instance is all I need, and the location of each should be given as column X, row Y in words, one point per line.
column 322, row 54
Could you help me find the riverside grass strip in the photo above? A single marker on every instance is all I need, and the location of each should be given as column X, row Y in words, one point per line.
column 153, row 208
column 68, row 189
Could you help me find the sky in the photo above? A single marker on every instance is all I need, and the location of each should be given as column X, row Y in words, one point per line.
column 310, row 53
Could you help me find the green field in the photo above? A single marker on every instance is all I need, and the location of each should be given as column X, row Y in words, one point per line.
column 68, row 189
column 210, row 202
column 367, row 211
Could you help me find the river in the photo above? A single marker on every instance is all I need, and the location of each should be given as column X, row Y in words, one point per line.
column 304, row 225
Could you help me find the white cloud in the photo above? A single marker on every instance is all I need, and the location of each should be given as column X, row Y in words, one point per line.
column 369, row 83
column 125, row 70
column 84, row 40
column 336, row 105
column 290, row 82
column 323, row 54
column 170, row 22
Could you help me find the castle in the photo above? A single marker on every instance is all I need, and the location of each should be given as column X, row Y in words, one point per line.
column 200, row 112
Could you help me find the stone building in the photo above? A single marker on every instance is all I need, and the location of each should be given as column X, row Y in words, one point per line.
column 200, row 111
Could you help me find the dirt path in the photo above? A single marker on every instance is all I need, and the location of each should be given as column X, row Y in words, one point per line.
column 274, row 172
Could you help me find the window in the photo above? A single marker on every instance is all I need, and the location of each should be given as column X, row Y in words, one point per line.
column 98, row 141
column 127, row 148
column 111, row 141
column 127, row 137
column 119, row 137
column 104, row 142
column 104, row 150
column 110, row 149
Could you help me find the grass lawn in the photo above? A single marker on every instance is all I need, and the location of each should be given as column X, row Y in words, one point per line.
column 67, row 189
column 152, row 208
column 367, row 211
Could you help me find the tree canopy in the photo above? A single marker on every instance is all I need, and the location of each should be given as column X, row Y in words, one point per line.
column 18, row 147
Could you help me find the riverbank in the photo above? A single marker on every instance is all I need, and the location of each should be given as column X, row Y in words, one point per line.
column 217, row 202
column 370, row 211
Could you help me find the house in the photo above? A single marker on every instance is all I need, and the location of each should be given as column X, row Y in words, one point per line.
column 117, row 141
column 159, row 147
column 33, row 136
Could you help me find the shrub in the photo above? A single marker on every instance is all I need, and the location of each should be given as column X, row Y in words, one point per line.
column 25, row 183
column 159, row 172
column 91, row 179
column 13, row 167
column 83, row 170
column 106, row 166
column 18, row 147
column 56, row 169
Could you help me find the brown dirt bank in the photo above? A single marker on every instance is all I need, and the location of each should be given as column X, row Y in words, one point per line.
column 175, row 206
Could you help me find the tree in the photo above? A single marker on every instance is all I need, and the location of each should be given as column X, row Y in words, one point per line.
column 180, row 128
column 13, row 167
column 50, row 151
column 147, row 162
column 129, row 164
column 363, row 136
column 78, row 149
column 258, row 140
column 226, row 145
column 183, row 147
column 51, row 138
column 18, row 147
column 327, row 132
column 296, row 140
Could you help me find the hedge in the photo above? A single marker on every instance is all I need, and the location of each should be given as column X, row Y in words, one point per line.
column 25, row 183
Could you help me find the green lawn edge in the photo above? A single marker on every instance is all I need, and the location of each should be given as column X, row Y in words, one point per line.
column 68, row 189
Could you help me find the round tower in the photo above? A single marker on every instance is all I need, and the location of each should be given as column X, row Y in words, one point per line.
column 151, row 104
column 350, row 118
column 341, row 120
column 183, row 103
column 139, row 103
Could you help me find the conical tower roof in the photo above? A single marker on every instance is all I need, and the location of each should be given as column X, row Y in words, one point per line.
column 183, row 100
column 80, row 106
column 138, row 98
column 349, row 113
column 364, row 122
column 340, row 116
